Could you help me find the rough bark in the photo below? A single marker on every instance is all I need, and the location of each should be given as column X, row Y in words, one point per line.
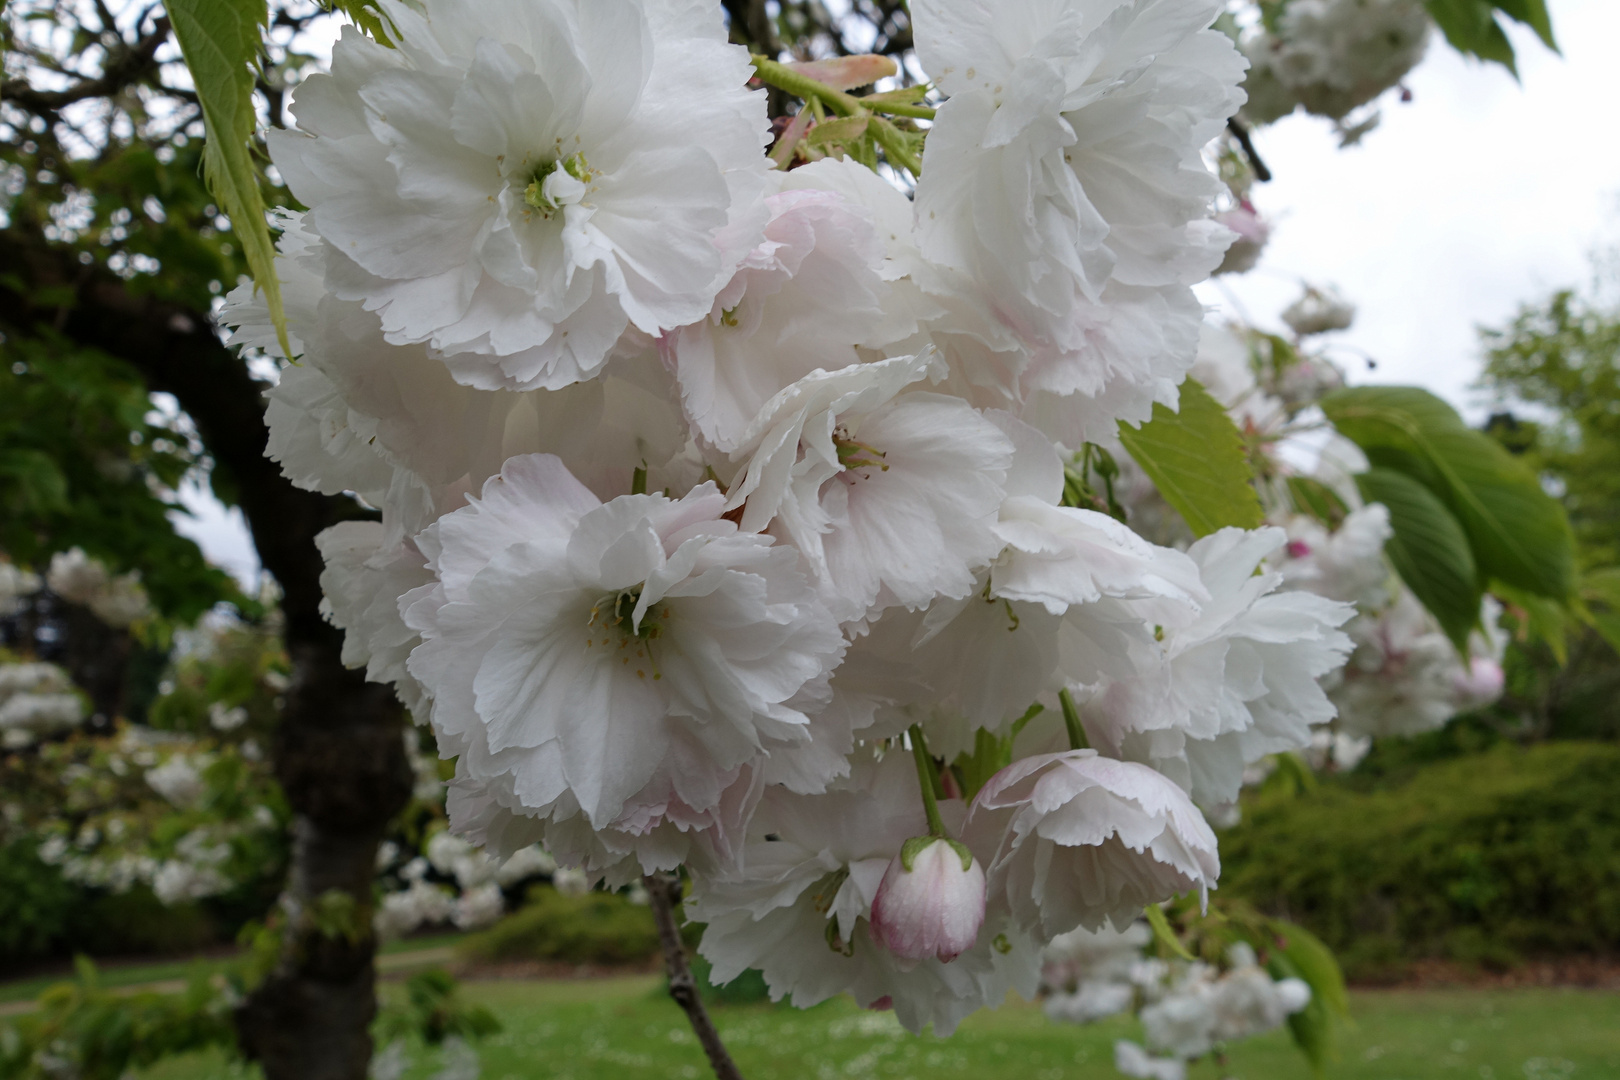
column 664, row 896
column 338, row 753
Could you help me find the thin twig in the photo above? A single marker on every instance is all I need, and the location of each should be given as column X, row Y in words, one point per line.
column 663, row 893
column 124, row 65
column 1235, row 126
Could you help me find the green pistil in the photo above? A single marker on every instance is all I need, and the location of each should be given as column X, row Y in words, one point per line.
column 858, row 455
column 574, row 165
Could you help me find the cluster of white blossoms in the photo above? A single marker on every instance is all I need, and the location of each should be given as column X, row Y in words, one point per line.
column 1332, row 56
column 16, row 584
column 1187, row 1010
column 722, row 514
column 1405, row 676
column 117, row 600
column 36, row 700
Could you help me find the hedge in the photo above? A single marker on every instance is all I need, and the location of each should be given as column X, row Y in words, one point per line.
column 1491, row 858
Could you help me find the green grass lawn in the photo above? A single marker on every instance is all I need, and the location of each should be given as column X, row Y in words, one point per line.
column 119, row 973
column 624, row 1029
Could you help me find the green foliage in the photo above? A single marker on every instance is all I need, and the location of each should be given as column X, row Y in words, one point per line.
column 434, row 1010
column 595, row 928
column 220, row 40
column 1197, row 459
column 1518, row 534
column 137, row 922
column 1564, row 354
column 88, row 1032
column 1429, row 550
column 84, row 461
column 364, row 16
column 1473, row 27
column 34, row 902
column 1481, row 858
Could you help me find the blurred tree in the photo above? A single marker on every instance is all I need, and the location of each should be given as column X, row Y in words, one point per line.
column 1561, row 359
column 1564, row 355
column 113, row 254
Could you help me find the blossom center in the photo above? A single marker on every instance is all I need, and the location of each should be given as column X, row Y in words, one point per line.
column 558, row 183
column 853, row 454
column 614, row 629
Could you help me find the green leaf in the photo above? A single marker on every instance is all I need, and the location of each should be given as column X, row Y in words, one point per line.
column 220, row 41
column 991, row 753
column 1603, row 587
column 1162, row 931
column 847, row 129
column 1548, row 621
column 1532, row 13
column 1471, row 28
column 364, row 16
column 1300, row 954
column 1429, row 549
column 1519, row 534
column 1197, row 460
column 1315, row 498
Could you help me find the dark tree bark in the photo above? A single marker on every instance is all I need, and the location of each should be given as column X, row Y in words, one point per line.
column 664, row 897
column 338, row 754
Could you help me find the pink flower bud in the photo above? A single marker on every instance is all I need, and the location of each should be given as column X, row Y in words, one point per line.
column 931, row 900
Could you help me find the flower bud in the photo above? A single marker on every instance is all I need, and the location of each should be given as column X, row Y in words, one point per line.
column 931, row 900
column 1481, row 685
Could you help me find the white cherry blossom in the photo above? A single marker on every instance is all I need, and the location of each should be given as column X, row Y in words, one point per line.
column 514, row 183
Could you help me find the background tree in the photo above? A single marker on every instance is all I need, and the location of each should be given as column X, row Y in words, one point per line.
column 114, row 250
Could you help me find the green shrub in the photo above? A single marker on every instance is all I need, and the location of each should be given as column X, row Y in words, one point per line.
column 1482, row 859
column 136, row 922
column 596, row 928
column 34, row 903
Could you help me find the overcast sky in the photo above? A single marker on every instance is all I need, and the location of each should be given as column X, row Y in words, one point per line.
column 1480, row 194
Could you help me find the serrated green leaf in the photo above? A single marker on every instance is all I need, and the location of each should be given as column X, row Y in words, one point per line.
column 1520, row 535
column 220, row 41
column 1471, row 28
column 1429, row 549
column 1162, row 931
column 365, row 17
column 1196, row 458
column 1532, row 13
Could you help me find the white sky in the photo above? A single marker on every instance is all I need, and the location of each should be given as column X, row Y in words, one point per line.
column 1479, row 195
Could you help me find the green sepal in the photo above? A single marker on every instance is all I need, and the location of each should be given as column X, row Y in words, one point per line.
column 918, row 844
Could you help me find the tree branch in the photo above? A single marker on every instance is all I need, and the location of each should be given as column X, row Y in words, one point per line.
column 1241, row 133
column 338, row 753
column 664, row 893
column 124, row 66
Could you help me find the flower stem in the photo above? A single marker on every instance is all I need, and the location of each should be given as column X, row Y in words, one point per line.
column 1071, row 720
column 785, row 78
column 664, row 895
column 928, row 780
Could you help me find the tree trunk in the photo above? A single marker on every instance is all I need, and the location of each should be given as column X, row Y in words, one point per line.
column 339, row 753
